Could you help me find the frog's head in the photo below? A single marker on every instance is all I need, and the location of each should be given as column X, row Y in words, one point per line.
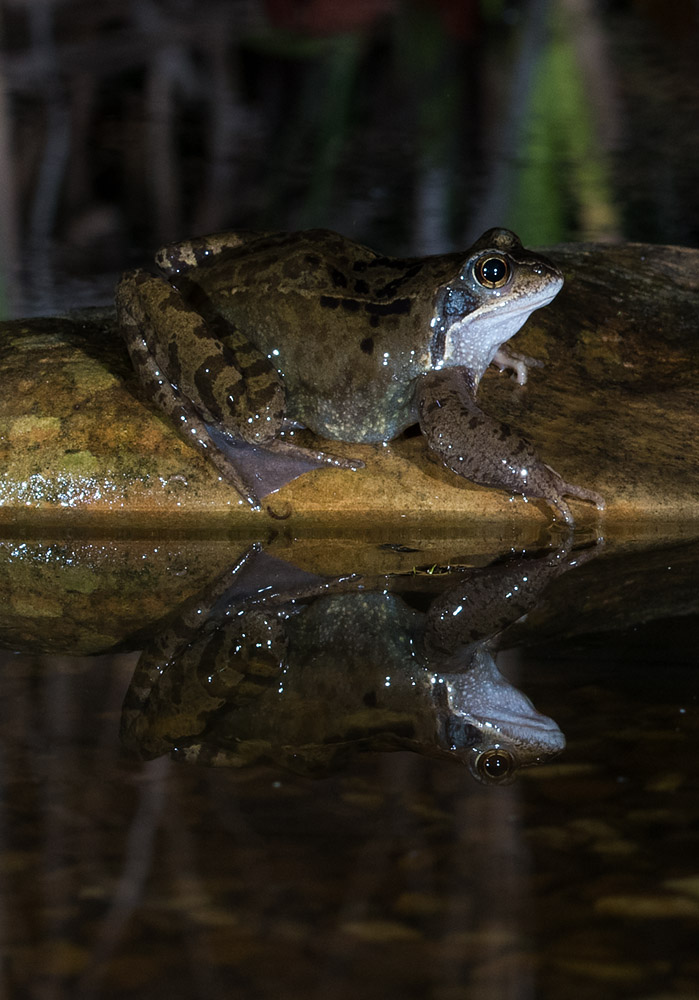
column 492, row 725
column 496, row 289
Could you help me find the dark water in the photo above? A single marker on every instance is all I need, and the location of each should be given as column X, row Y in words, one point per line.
column 409, row 126
column 396, row 876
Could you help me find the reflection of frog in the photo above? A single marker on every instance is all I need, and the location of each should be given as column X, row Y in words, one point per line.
column 252, row 673
column 258, row 333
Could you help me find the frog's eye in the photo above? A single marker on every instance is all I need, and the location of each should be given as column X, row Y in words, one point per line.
column 495, row 765
column 492, row 270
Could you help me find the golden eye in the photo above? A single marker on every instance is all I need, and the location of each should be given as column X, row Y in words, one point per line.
column 492, row 270
column 495, row 765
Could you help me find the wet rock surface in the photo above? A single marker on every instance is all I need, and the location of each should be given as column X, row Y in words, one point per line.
column 614, row 408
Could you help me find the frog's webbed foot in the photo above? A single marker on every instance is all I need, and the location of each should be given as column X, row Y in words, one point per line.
column 254, row 471
column 516, row 362
column 482, row 449
column 267, row 468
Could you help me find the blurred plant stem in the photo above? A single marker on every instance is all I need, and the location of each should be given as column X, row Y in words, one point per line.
column 434, row 79
column 54, row 162
column 313, row 132
column 339, row 71
column 8, row 215
column 505, row 118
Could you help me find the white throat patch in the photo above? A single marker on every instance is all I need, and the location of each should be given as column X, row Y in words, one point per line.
column 473, row 341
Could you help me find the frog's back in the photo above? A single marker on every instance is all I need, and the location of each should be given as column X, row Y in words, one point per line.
column 348, row 329
column 314, row 260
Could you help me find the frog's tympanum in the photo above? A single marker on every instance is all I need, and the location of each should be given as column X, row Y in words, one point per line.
column 304, row 681
column 252, row 335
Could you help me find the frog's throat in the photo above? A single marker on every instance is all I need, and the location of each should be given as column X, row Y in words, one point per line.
column 473, row 342
column 483, row 697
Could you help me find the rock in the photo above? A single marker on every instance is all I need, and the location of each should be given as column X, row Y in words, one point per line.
column 615, row 408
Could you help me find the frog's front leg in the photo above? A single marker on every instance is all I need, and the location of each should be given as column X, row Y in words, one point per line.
column 482, row 449
column 518, row 363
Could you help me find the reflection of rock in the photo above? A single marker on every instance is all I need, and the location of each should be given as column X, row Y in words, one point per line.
column 302, row 681
column 85, row 596
column 614, row 406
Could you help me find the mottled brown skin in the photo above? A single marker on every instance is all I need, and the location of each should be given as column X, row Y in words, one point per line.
column 333, row 309
column 260, row 331
column 229, row 379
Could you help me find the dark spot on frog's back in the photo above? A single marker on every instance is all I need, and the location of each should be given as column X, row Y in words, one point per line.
column 332, row 302
column 392, row 287
column 505, row 432
column 367, row 345
column 338, row 279
column 399, row 307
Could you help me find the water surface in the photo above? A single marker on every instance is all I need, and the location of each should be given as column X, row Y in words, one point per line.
column 396, row 876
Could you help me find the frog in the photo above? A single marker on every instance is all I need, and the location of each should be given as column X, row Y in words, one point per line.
column 273, row 663
column 243, row 338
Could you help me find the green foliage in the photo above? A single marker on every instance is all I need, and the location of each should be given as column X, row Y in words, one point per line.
column 563, row 183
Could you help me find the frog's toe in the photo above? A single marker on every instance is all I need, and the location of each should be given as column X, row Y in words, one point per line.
column 552, row 488
column 564, row 510
column 580, row 493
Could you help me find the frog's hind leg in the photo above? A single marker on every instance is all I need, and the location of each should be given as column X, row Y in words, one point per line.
column 484, row 450
column 254, row 471
column 180, row 411
column 185, row 255
column 178, row 258
column 232, row 385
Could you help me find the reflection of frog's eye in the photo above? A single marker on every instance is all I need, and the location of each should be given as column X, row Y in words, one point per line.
column 492, row 270
column 496, row 765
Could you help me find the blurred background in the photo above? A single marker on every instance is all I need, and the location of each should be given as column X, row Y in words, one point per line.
column 410, row 125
